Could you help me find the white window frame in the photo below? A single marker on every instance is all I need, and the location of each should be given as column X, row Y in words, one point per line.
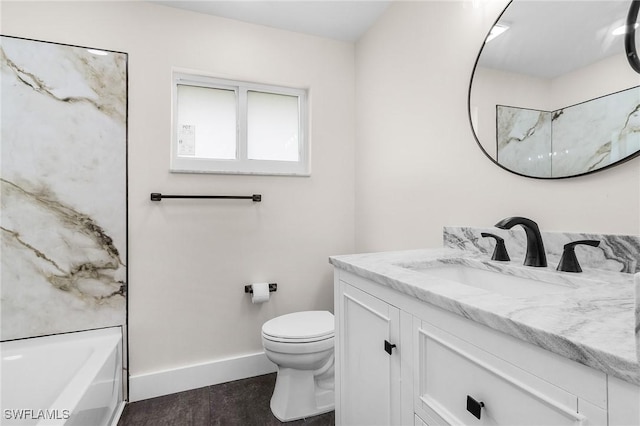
column 242, row 164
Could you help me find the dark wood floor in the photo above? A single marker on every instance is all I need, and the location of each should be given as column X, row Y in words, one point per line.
column 243, row 402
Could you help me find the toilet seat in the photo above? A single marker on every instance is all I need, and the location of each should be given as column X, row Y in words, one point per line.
column 300, row 327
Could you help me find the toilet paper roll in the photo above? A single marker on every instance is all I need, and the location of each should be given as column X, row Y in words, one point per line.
column 260, row 292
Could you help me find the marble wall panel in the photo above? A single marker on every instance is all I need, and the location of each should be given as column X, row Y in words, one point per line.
column 524, row 140
column 63, row 188
column 618, row 253
column 569, row 141
column 594, row 134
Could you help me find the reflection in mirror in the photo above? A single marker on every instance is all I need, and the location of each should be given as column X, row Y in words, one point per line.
column 554, row 96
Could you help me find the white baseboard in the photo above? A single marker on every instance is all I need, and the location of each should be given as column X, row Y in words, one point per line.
column 150, row 385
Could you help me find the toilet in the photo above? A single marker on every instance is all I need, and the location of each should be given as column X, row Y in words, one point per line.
column 301, row 345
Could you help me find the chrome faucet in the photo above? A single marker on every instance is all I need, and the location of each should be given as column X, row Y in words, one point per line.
column 535, row 248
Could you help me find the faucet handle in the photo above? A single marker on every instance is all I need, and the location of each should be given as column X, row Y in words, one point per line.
column 500, row 251
column 569, row 261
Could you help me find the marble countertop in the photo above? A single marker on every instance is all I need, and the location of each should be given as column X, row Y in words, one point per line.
column 593, row 322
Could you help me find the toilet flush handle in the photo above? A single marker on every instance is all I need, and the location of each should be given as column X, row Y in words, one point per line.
column 388, row 347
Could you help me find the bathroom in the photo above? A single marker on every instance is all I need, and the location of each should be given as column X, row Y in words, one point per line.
column 393, row 161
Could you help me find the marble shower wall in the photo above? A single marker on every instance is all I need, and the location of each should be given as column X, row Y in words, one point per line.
column 618, row 253
column 524, row 140
column 63, row 179
column 572, row 140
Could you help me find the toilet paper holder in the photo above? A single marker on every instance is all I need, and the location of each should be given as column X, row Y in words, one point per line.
column 272, row 287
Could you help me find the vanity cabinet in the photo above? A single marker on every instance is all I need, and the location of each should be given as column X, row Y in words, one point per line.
column 448, row 370
column 624, row 402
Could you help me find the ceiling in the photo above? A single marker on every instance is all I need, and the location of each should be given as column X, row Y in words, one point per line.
column 344, row 20
column 547, row 39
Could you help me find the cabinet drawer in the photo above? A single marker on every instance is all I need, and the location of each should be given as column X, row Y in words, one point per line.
column 449, row 370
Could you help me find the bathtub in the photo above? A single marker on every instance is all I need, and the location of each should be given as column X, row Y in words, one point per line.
column 64, row 379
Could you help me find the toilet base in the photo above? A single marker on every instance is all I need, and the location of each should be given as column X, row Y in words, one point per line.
column 299, row 394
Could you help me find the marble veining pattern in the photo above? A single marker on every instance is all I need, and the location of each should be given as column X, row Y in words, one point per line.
column 596, row 133
column 572, row 140
column 63, row 188
column 591, row 323
column 617, row 253
column 524, row 140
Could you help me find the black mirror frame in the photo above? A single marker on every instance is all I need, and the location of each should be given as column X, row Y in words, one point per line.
column 630, row 36
column 629, row 42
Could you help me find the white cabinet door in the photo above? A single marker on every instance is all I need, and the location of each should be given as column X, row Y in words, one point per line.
column 369, row 369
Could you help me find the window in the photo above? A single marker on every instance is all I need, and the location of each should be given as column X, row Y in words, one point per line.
column 226, row 126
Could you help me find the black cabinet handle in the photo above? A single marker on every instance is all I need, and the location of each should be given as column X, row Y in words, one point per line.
column 388, row 347
column 474, row 407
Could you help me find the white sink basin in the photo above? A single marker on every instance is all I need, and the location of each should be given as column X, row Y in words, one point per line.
column 495, row 282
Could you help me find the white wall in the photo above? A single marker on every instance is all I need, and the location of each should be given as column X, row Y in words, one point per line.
column 614, row 74
column 190, row 259
column 418, row 167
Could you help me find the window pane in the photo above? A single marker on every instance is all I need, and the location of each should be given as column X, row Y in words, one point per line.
column 206, row 122
column 272, row 127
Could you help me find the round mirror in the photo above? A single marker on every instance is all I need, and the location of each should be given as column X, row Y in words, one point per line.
column 552, row 93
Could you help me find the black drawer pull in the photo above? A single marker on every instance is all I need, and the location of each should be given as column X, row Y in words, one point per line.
column 474, row 407
column 388, row 347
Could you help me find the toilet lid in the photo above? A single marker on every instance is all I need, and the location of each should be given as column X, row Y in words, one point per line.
column 300, row 326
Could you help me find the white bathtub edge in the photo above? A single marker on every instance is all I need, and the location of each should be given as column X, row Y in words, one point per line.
column 151, row 385
column 105, row 342
column 118, row 413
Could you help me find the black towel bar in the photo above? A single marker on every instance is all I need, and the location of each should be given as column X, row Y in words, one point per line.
column 156, row 196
